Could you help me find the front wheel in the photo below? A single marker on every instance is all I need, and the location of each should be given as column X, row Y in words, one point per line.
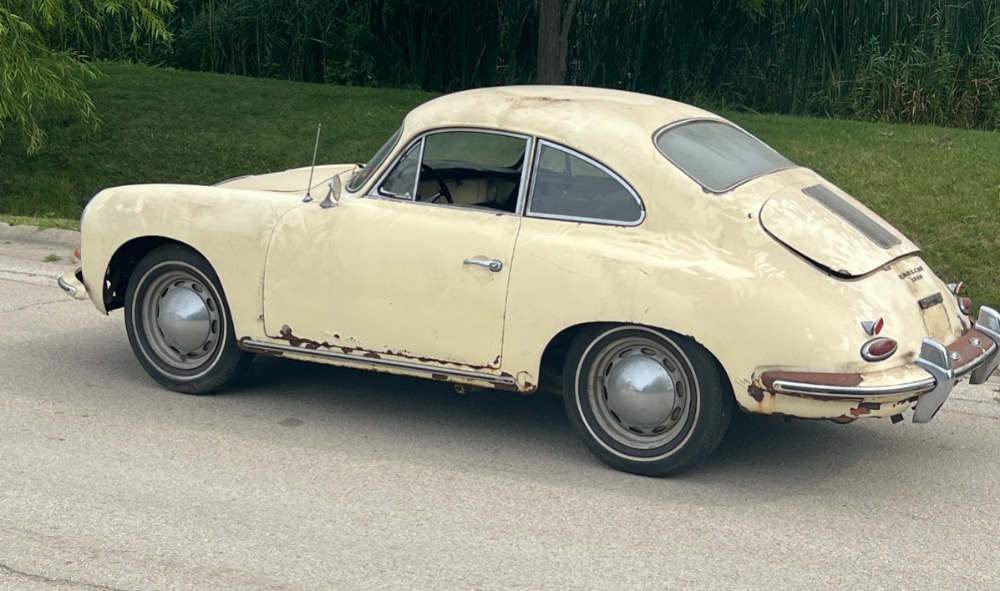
column 178, row 322
column 645, row 401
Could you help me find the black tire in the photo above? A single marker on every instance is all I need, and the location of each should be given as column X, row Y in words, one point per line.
column 178, row 322
column 645, row 401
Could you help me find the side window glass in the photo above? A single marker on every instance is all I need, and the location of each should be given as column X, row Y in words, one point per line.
column 401, row 182
column 461, row 168
column 570, row 186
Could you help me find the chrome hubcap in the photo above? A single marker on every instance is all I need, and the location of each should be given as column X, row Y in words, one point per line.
column 181, row 320
column 639, row 392
column 184, row 320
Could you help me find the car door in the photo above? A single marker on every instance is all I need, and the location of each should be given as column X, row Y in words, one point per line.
column 402, row 273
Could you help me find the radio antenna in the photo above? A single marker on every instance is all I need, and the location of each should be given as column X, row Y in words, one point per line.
column 308, row 196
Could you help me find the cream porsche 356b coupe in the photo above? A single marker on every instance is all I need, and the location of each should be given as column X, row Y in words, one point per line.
column 654, row 261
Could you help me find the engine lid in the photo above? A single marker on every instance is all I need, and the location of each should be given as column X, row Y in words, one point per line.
column 832, row 229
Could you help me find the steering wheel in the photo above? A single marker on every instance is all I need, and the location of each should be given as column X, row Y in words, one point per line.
column 442, row 186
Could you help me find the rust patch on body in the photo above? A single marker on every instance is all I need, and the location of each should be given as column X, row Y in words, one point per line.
column 865, row 408
column 286, row 334
column 966, row 350
column 756, row 392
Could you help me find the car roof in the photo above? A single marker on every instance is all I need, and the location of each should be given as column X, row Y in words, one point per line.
column 574, row 115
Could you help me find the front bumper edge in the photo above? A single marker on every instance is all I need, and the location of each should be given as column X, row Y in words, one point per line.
column 72, row 284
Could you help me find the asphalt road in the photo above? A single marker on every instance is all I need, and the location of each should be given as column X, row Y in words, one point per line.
column 311, row 477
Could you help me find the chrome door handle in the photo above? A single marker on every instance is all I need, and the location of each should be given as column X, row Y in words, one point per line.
column 491, row 264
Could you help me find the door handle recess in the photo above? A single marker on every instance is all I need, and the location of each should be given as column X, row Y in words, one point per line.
column 491, row 264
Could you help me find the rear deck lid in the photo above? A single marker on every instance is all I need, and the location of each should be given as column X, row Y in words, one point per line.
column 832, row 229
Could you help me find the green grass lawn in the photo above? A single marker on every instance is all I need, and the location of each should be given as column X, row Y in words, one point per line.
column 939, row 186
column 171, row 126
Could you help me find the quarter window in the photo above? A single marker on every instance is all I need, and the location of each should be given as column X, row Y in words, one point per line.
column 401, row 182
column 362, row 175
column 571, row 186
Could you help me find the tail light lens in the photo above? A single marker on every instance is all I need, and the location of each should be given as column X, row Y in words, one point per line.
column 965, row 305
column 878, row 349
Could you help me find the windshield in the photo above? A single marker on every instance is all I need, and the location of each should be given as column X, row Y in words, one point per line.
column 361, row 175
column 718, row 155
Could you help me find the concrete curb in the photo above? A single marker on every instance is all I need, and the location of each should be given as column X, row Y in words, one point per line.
column 33, row 235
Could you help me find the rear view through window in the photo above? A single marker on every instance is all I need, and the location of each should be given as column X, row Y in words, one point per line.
column 717, row 155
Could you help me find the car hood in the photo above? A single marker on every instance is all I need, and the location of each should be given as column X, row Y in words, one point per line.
column 832, row 229
column 296, row 180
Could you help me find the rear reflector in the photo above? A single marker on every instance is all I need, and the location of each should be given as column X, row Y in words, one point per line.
column 873, row 327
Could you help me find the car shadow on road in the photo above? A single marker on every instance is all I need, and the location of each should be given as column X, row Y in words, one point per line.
column 757, row 451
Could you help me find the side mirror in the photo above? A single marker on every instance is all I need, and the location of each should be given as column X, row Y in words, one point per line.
column 333, row 195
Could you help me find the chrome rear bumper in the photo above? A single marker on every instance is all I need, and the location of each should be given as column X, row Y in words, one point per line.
column 976, row 353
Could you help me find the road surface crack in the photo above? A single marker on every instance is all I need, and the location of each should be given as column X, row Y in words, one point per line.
column 39, row 304
column 6, row 570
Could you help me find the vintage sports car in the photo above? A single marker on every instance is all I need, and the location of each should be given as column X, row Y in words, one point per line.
column 650, row 259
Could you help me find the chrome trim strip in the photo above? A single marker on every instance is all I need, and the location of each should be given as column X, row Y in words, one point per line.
column 789, row 387
column 387, row 362
column 420, row 163
column 527, row 176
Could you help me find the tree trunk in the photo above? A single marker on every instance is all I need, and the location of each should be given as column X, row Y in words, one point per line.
column 555, row 18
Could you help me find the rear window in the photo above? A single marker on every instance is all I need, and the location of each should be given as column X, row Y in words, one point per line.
column 718, row 155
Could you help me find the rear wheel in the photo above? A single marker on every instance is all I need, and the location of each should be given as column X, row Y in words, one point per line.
column 178, row 322
column 645, row 401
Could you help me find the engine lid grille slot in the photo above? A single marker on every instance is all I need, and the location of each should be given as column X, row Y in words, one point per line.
column 864, row 224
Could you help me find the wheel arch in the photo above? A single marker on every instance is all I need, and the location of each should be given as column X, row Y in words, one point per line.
column 124, row 261
column 554, row 354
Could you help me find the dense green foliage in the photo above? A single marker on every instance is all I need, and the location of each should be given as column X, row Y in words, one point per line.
column 933, row 183
column 924, row 61
column 38, row 67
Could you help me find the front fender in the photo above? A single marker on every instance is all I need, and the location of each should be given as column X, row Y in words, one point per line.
column 231, row 228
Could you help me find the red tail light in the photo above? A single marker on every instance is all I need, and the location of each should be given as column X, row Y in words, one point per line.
column 878, row 349
column 965, row 305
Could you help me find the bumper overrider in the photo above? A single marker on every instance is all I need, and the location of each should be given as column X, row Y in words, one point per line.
column 72, row 284
column 924, row 385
